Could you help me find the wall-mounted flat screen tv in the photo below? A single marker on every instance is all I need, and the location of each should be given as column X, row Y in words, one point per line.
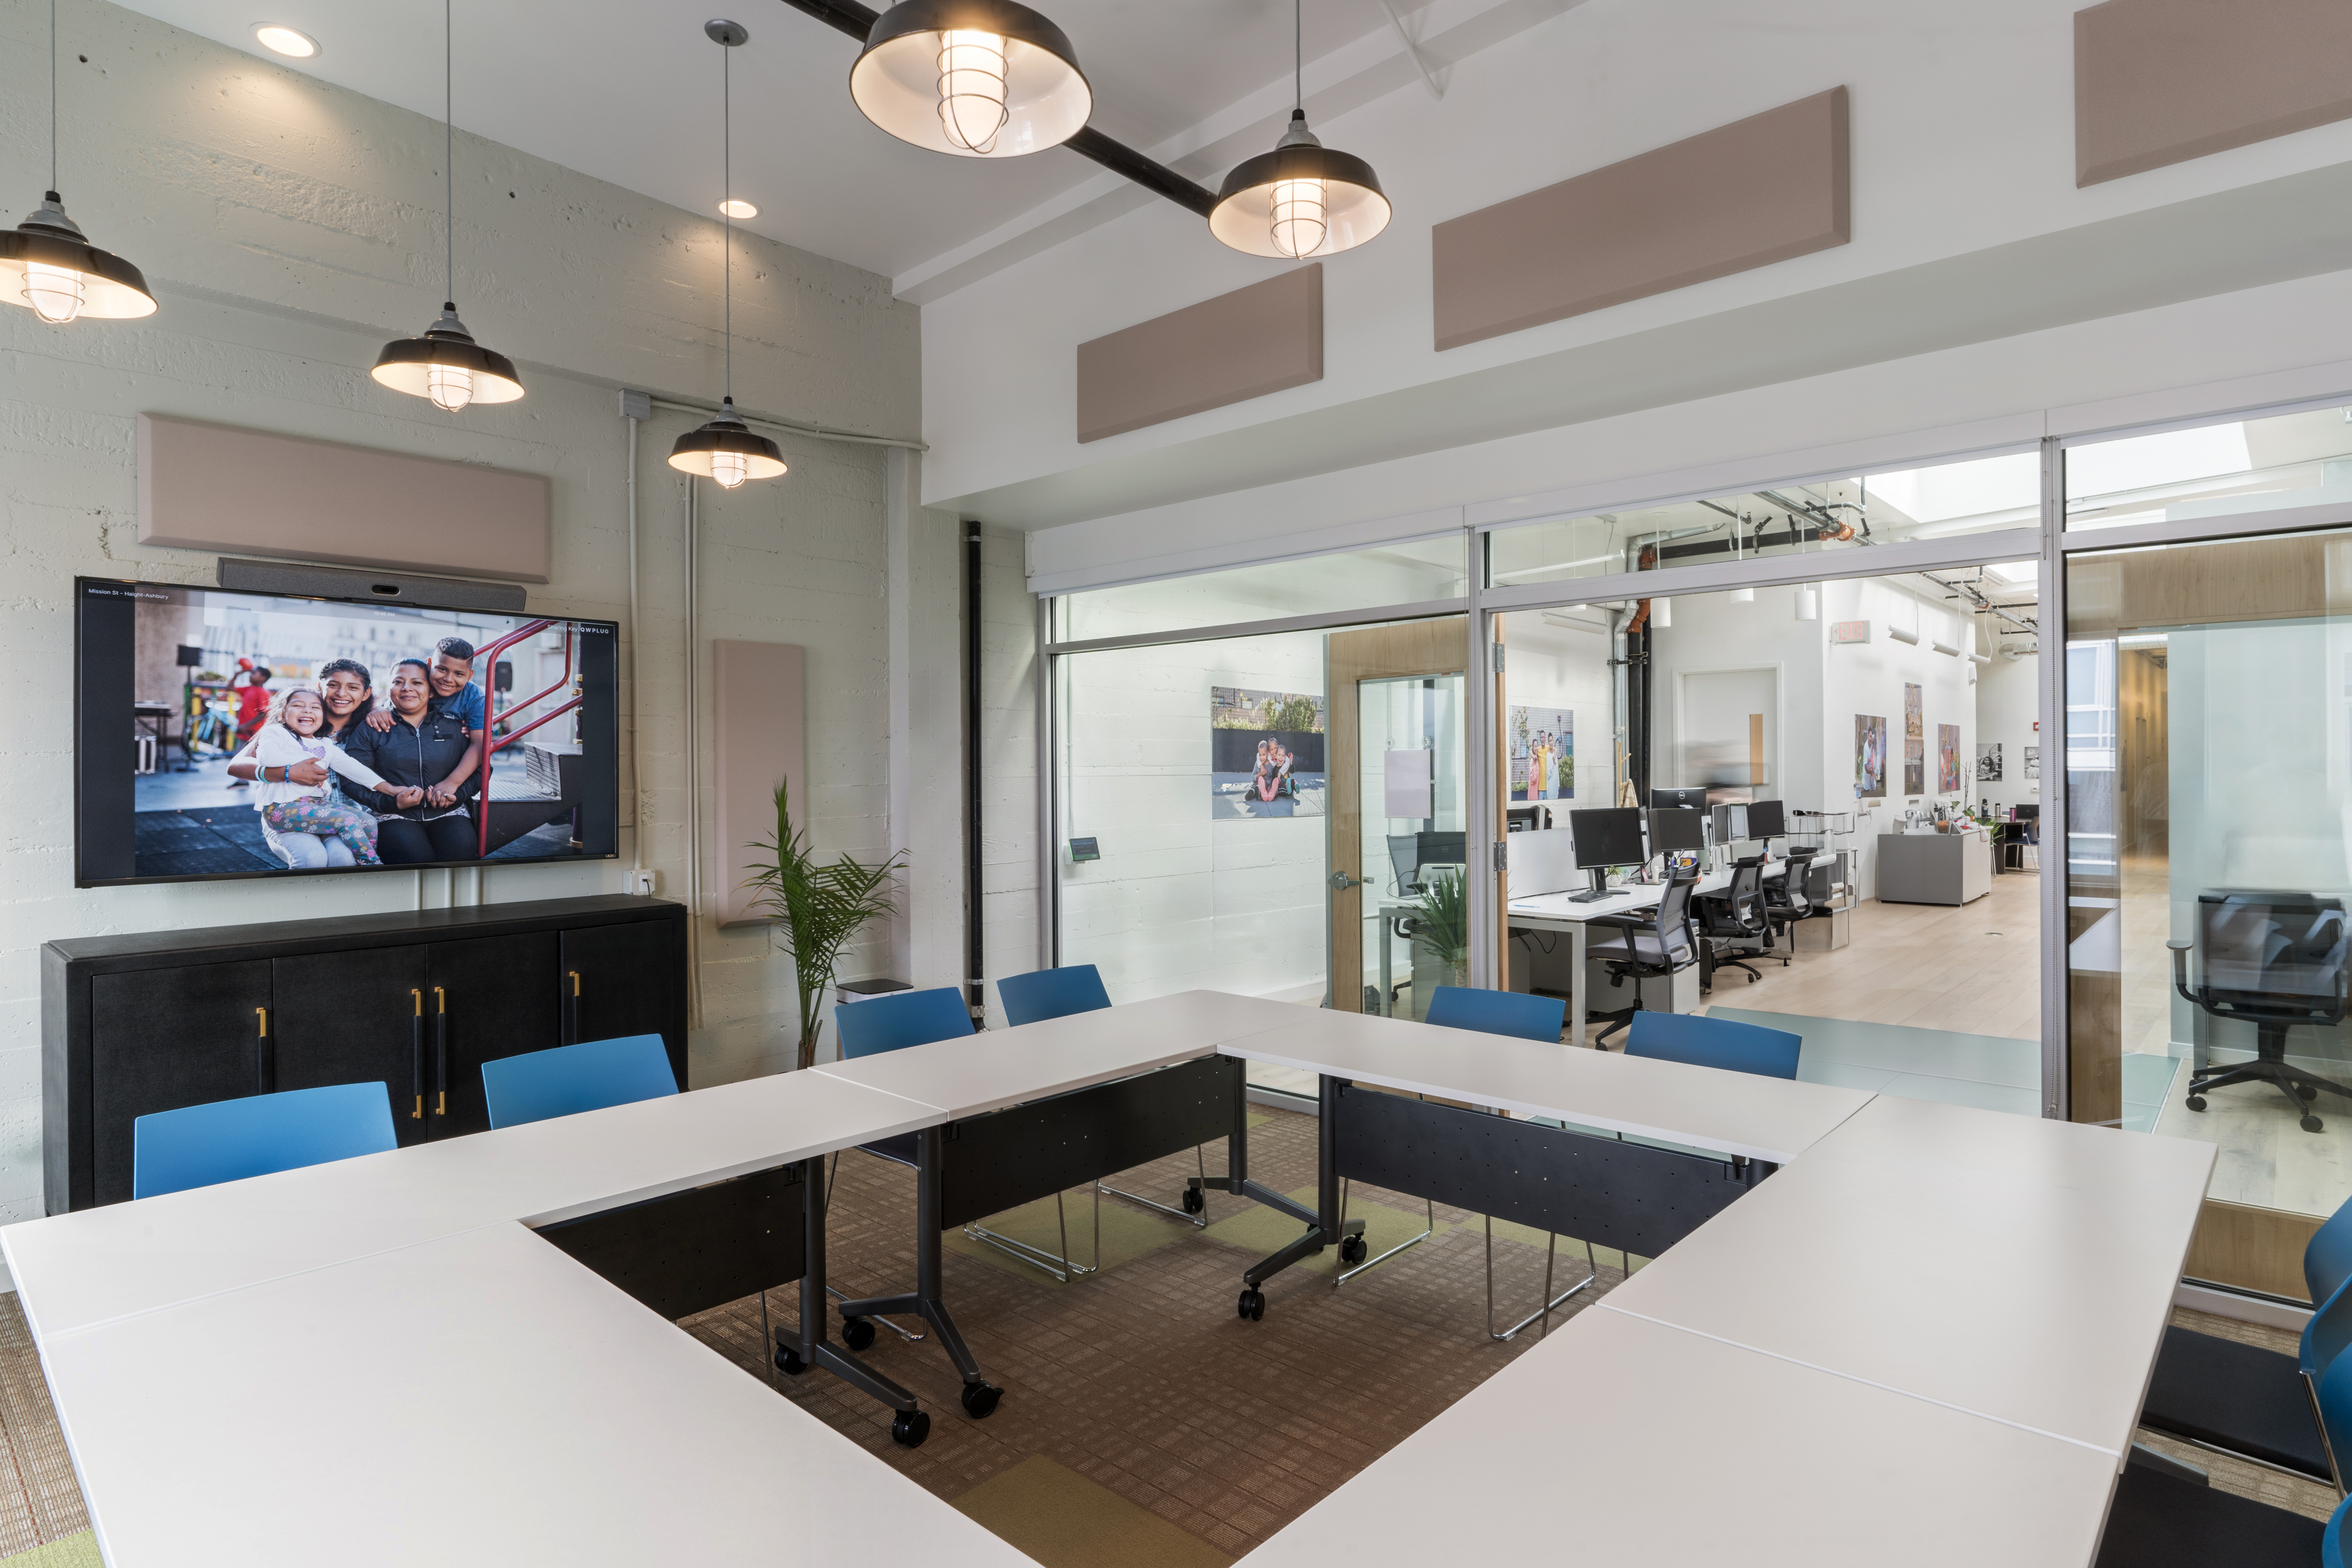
column 237, row 734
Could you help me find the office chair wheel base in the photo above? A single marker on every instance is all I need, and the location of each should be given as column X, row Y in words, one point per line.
column 789, row 1363
column 1752, row 979
column 979, row 1399
column 1252, row 1306
column 858, row 1333
column 1352, row 1249
column 910, row 1427
column 2196, row 1102
column 2313, row 1124
column 2305, row 1091
column 1194, row 1202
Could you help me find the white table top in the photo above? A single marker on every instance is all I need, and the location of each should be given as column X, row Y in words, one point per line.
column 1628, row 899
column 478, row 1400
column 101, row 1263
column 998, row 1067
column 1620, row 1441
column 2019, row 1269
column 1725, row 1113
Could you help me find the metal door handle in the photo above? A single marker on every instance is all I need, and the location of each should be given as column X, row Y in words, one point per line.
column 1341, row 882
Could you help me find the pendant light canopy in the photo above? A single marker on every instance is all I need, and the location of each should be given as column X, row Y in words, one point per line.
column 975, row 78
column 726, row 449
column 1302, row 199
column 47, row 266
column 445, row 364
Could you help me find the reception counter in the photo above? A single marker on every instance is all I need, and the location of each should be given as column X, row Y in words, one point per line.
column 1933, row 868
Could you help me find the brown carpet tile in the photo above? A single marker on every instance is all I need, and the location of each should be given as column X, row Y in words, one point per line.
column 39, row 1501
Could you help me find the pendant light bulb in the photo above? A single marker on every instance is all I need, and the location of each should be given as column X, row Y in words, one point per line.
column 971, row 91
column 1302, row 199
column 450, row 387
column 54, row 292
column 729, row 469
column 46, row 266
column 974, row 78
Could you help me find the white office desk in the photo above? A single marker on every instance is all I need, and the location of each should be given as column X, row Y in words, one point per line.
column 1620, row 1441
column 2019, row 1269
column 479, row 1400
column 80, row 1268
column 1723, row 1112
column 1562, row 912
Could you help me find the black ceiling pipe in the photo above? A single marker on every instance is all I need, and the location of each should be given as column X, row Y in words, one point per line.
column 857, row 21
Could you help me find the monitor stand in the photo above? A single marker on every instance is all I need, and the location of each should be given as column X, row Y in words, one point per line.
column 1598, row 892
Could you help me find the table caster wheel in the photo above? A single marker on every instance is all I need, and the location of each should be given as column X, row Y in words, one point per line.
column 910, row 1427
column 789, row 1363
column 1194, row 1202
column 2305, row 1091
column 1352, row 1249
column 858, row 1333
column 2196, row 1102
column 2313, row 1124
column 1252, row 1305
column 979, row 1399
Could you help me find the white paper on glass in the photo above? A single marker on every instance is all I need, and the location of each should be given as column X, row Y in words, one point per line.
column 1407, row 779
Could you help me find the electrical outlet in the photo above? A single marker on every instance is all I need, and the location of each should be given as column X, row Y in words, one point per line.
column 645, row 884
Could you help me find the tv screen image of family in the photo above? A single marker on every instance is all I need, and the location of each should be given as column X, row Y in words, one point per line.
column 227, row 735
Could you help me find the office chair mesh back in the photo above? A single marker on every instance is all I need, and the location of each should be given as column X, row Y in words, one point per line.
column 1699, row 1041
column 1499, row 1013
column 2280, row 954
column 229, row 1140
column 1045, row 993
column 1679, row 948
column 900, row 1019
column 1793, row 901
column 539, row 1086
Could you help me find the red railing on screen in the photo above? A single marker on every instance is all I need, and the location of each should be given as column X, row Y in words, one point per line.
column 487, row 660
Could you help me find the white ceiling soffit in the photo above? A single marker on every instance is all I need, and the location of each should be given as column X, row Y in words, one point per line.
column 627, row 91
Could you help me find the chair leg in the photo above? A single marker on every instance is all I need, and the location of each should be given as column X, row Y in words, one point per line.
column 767, row 1339
column 1197, row 1221
column 1549, row 1301
column 1342, row 1276
column 1063, row 1267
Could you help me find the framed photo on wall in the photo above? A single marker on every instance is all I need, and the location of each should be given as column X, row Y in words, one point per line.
column 1869, row 757
column 1947, row 759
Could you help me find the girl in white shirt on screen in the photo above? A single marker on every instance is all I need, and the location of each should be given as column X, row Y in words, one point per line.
column 291, row 736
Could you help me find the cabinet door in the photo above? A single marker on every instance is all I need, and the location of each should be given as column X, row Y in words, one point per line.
column 164, row 1038
column 621, row 980
column 355, row 1016
column 492, row 996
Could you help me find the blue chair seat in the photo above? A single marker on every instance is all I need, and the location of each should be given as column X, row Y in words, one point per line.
column 1699, row 1041
column 229, row 1140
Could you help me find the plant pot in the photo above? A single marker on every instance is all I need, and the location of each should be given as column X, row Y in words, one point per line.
column 1432, row 966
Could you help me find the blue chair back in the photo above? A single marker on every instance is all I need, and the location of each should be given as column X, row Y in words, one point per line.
column 1043, row 994
column 539, row 1086
column 2335, row 1394
column 2326, row 1333
column 1497, row 1013
column 2331, row 1544
column 229, row 1140
column 900, row 1019
column 2327, row 1258
column 1714, row 1043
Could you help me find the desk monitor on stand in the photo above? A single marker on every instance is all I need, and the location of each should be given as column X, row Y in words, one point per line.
column 1692, row 799
column 1679, row 834
column 1603, row 839
column 1768, row 820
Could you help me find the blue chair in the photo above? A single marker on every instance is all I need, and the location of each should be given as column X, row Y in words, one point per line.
column 1499, row 1013
column 1700, row 1041
column 565, row 1081
column 229, row 1140
column 2331, row 1542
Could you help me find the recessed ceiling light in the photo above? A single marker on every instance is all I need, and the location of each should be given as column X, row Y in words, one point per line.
column 739, row 208
column 280, row 39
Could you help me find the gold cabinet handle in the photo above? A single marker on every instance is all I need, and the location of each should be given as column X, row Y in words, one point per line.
column 575, row 982
column 261, row 1023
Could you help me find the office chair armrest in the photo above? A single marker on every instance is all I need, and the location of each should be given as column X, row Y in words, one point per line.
column 2180, row 970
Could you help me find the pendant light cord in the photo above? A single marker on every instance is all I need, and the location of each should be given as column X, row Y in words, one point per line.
column 449, row 148
column 53, row 94
column 727, row 201
column 1298, row 55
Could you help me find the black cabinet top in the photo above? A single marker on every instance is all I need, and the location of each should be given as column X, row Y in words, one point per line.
column 222, row 943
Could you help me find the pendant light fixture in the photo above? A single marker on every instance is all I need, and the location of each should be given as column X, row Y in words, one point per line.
column 1302, row 199
column 976, row 78
column 726, row 448
column 446, row 364
column 45, row 262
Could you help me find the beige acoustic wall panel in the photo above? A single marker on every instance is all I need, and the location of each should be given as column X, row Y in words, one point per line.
column 2161, row 81
column 1244, row 345
column 757, row 698
column 254, row 493
column 1761, row 190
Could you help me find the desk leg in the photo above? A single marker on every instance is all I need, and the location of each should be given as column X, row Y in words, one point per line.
column 1388, row 983
column 912, row 1424
column 1324, row 1227
column 1577, row 999
column 1236, row 1179
column 980, row 1395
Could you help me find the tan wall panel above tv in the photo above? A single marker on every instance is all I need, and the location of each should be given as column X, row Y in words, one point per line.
column 1262, row 338
column 1760, row 189
column 2162, row 82
column 256, row 492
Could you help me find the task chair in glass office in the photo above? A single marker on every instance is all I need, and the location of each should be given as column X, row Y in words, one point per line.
column 257, row 1135
column 2273, row 960
column 1657, row 945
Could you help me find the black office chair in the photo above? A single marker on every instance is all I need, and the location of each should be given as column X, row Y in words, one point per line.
column 2275, row 960
column 1645, row 947
column 1733, row 918
column 1788, row 901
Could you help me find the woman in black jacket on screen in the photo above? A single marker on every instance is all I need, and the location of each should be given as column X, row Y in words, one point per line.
column 420, row 750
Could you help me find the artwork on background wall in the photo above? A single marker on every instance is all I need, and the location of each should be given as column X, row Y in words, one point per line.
column 1987, row 762
column 1869, row 757
column 1913, row 712
column 1915, row 765
column 2034, row 762
column 1543, row 753
column 1947, row 759
column 1266, row 753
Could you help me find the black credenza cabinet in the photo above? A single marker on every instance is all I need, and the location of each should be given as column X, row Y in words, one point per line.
column 417, row 1000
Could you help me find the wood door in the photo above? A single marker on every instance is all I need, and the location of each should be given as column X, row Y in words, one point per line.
column 355, row 1016
column 492, row 996
column 621, row 980
column 1375, row 653
column 164, row 1038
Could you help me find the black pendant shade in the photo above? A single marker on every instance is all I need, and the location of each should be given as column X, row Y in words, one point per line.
column 728, row 450
column 447, row 366
column 46, row 266
column 975, row 78
column 1302, row 199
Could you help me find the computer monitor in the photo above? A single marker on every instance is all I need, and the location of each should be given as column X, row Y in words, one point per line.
column 2026, row 813
column 1441, row 848
column 1731, row 824
column 1674, row 828
column 1689, row 799
column 1766, row 819
column 1608, row 837
column 1526, row 818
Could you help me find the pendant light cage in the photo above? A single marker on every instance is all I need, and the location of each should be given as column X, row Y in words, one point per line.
column 45, row 264
column 973, row 78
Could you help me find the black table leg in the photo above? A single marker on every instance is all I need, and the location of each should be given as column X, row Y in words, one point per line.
column 912, row 1424
column 1324, row 1227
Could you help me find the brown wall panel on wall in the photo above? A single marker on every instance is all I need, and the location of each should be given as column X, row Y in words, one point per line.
column 254, row 493
column 1244, row 345
column 759, row 737
column 2162, row 82
column 1761, row 190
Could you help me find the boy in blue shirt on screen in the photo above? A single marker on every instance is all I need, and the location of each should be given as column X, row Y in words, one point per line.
column 451, row 678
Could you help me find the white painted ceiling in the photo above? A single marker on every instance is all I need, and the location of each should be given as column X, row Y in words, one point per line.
column 627, row 91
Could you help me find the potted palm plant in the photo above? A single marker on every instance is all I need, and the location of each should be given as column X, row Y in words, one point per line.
column 1439, row 925
column 818, row 908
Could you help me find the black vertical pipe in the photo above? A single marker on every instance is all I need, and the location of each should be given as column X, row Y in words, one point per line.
column 974, row 974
